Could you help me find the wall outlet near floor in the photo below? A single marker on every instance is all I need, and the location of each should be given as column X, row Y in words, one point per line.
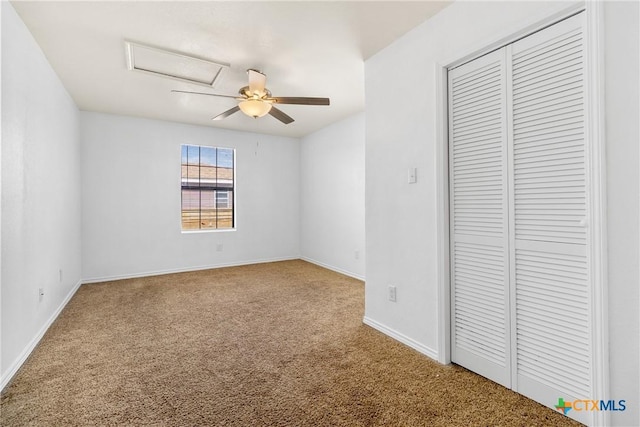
column 356, row 254
column 392, row 293
column 219, row 247
column 40, row 294
column 60, row 275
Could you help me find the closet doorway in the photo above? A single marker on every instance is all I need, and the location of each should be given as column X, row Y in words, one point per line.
column 519, row 204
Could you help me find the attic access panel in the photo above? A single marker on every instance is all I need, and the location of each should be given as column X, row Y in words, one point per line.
column 174, row 65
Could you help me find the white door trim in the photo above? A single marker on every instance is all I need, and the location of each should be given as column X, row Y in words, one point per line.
column 596, row 158
column 442, row 194
column 597, row 190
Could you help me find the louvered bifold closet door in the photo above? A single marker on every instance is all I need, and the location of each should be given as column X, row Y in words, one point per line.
column 549, row 217
column 479, row 233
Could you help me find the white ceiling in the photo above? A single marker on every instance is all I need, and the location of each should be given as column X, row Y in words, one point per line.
column 305, row 48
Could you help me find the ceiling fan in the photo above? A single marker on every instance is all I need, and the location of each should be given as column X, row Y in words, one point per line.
column 256, row 100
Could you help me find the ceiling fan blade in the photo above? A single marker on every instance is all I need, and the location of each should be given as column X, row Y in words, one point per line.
column 226, row 113
column 278, row 114
column 257, row 82
column 204, row 93
column 300, row 100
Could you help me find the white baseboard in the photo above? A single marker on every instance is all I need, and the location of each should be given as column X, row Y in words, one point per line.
column 421, row 348
column 332, row 268
column 17, row 364
column 184, row 269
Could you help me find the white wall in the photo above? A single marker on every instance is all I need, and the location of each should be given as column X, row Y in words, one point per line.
column 131, row 198
column 401, row 238
column 40, row 193
column 622, row 68
column 332, row 197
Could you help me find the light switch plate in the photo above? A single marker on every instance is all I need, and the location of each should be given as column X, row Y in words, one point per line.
column 413, row 175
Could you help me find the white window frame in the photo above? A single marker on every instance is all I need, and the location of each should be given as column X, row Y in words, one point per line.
column 234, row 198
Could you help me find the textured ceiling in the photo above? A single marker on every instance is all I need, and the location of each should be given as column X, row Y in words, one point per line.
column 305, row 48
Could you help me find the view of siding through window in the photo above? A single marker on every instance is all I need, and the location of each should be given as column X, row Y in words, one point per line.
column 207, row 188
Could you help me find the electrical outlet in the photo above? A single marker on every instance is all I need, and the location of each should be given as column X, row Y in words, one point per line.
column 219, row 247
column 356, row 254
column 392, row 293
column 40, row 294
column 60, row 275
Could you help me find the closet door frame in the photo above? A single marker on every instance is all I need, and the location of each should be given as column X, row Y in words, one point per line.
column 596, row 177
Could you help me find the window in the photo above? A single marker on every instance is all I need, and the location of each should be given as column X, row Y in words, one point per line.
column 207, row 188
column 222, row 200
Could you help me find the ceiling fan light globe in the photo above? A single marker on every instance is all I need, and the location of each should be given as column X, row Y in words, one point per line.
column 255, row 108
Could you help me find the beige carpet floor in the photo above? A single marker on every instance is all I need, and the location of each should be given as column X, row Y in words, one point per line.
column 279, row 344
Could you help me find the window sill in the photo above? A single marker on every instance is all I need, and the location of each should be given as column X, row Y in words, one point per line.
column 214, row 230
